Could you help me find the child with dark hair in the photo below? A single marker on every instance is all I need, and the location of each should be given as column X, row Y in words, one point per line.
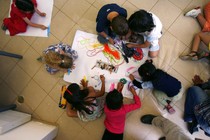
column 148, row 25
column 20, row 15
column 166, row 88
column 59, row 57
column 116, row 111
column 111, row 20
column 85, row 103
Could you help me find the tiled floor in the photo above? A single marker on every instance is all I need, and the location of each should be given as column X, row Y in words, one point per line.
column 27, row 77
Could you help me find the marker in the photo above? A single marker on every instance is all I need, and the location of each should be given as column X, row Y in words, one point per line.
column 48, row 30
column 85, row 79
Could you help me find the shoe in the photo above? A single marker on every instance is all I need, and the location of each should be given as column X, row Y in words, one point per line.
column 3, row 27
column 192, row 56
column 170, row 109
column 192, row 127
column 147, row 119
column 193, row 13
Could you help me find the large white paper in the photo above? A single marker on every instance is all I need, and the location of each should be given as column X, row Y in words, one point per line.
column 45, row 6
column 89, row 51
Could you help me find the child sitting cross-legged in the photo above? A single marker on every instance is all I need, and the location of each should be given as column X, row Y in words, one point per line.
column 166, row 88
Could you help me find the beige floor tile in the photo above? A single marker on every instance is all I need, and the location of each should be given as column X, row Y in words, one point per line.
column 196, row 3
column 29, row 39
column 59, row 3
column 130, row 8
column 4, row 39
column 68, row 128
column 96, row 125
column 171, row 48
column 45, row 80
column 23, row 107
column 144, row 4
column 76, row 7
column 4, row 7
column 70, row 36
column 182, row 31
column 84, row 135
column 29, row 63
column 40, row 44
column 17, row 79
column 48, row 110
column 91, row 1
column 7, row 95
column 33, row 94
column 89, row 19
column 55, row 11
column 58, row 29
column 7, row 64
column 160, row 9
column 181, row 3
column 17, row 45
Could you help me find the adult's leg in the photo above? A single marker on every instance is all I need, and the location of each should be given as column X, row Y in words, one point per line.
column 170, row 130
column 195, row 95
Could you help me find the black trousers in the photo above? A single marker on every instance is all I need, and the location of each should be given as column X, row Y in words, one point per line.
column 112, row 136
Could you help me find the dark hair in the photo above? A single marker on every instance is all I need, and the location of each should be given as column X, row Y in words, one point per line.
column 147, row 70
column 78, row 98
column 25, row 5
column 120, row 25
column 141, row 21
column 114, row 100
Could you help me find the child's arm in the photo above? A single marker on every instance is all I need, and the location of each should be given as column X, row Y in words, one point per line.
column 34, row 24
column 144, row 45
column 141, row 85
column 70, row 112
column 42, row 14
column 107, row 37
column 102, row 91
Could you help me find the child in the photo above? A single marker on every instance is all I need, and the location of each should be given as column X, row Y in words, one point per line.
column 20, row 15
column 85, row 103
column 59, row 57
column 116, row 112
column 166, row 88
column 111, row 17
column 150, row 26
column 203, row 36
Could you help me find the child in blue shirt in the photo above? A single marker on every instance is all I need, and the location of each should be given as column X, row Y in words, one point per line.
column 111, row 20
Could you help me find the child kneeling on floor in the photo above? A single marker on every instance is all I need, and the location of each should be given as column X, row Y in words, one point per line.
column 166, row 88
column 116, row 111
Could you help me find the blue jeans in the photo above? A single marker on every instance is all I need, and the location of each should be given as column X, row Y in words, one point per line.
column 195, row 96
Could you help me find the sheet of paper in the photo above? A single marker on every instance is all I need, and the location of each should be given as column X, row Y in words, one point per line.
column 89, row 51
column 44, row 6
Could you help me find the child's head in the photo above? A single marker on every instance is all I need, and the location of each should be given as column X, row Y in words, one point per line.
column 78, row 98
column 119, row 25
column 141, row 21
column 25, row 5
column 114, row 100
column 146, row 70
column 58, row 60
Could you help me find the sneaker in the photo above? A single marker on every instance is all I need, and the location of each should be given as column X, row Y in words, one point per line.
column 194, row 12
column 170, row 109
column 192, row 127
column 147, row 119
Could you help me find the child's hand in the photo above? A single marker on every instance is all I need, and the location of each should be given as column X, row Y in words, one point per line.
column 132, row 90
column 120, row 86
column 197, row 80
column 131, row 77
column 42, row 14
column 111, row 41
column 102, row 78
column 43, row 27
column 84, row 83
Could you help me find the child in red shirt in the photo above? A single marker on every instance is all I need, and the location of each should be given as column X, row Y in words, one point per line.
column 20, row 15
column 116, row 111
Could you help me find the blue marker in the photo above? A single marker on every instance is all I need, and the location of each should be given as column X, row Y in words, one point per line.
column 69, row 71
column 48, row 31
